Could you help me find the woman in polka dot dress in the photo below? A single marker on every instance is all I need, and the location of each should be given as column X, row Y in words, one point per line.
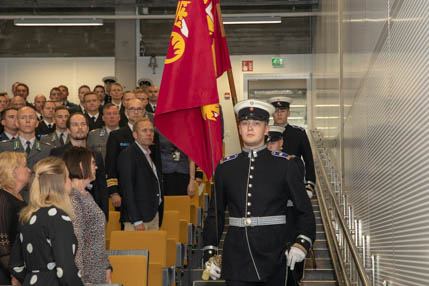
column 44, row 251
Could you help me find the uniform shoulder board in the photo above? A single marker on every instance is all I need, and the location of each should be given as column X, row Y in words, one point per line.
column 298, row 127
column 93, row 131
column 229, row 158
column 282, row 155
column 5, row 140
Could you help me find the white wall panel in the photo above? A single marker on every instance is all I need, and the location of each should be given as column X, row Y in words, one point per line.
column 386, row 75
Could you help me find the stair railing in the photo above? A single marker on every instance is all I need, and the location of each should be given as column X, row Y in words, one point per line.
column 347, row 263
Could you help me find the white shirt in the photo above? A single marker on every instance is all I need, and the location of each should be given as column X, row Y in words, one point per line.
column 154, row 171
column 59, row 135
column 24, row 142
column 10, row 136
column 47, row 123
column 96, row 116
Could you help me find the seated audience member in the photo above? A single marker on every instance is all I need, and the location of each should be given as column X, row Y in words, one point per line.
column 120, row 139
column 26, row 140
column 77, row 127
column 47, row 125
column 14, row 175
column 55, row 95
column 8, row 122
column 39, row 101
column 97, row 138
column 101, row 92
column 178, row 170
column 83, row 89
column 60, row 136
column 17, row 102
column 64, row 97
column 128, row 95
column 140, row 181
column 45, row 248
column 23, row 91
column 92, row 110
column 89, row 222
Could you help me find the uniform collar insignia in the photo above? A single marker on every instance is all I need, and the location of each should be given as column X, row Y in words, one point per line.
column 37, row 145
column 254, row 152
column 16, row 145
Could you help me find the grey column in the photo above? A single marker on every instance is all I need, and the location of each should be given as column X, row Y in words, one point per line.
column 125, row 48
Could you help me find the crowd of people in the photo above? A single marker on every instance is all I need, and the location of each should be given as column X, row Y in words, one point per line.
column 61, row 161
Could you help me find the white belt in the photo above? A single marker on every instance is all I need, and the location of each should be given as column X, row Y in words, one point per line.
column 257, row 221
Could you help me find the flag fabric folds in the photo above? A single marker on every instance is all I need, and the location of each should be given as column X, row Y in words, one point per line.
column 188, row 111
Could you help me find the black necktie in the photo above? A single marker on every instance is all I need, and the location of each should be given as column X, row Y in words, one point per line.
column 13, row 138
column 49, row 126
column 154, row 107
column 93, row 119
column 62, row 139
column 28, row 149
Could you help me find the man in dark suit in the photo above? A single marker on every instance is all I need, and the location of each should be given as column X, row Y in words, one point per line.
column 92, row 110
column 77, row 126
column 64, row 95
column 128, row 95
column 83, row 89
column 8, row 121
column 119, row 140
column 47, row 124
column 23, row 91
column 140, row 181
column 153, row 98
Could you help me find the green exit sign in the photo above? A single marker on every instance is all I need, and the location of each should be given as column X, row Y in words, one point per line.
column 277, row 62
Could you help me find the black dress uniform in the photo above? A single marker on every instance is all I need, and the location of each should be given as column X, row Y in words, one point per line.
column 258, row 183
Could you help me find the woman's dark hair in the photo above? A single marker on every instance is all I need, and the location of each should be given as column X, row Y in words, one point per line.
column 78, row 162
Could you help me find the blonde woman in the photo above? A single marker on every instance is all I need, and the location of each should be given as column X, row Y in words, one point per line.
column 14, row 175
column 44, row 250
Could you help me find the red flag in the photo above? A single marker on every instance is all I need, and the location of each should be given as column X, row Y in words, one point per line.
column 187, row 111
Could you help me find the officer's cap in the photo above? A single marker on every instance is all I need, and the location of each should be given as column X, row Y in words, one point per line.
column 280, row 102
column 110, row 79
column 253, row 109
column 144, row 82
column 275, row 133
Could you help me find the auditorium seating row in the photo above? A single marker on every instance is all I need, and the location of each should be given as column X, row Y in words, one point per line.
column 159, row 258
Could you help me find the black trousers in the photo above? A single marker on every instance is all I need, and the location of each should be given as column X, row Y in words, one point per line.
column 176, row 184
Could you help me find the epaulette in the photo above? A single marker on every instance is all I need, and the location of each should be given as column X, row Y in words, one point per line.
column 298, row 127
column 229, row 158
column 282, row 155
column 5, row 140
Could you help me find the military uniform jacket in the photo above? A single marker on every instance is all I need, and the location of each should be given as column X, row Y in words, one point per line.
column 53, row 139
column 97, row 140
column 257, row 186
column 43, row 129
column 38, row 152
column 295, row 142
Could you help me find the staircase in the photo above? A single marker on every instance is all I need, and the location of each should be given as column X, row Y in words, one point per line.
column 322, row 273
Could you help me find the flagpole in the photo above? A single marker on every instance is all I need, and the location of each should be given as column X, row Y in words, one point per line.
column 229, row 71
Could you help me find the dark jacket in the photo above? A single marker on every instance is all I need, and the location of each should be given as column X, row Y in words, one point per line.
column 95, row 124
column 259, row 186
column 139, row 185
column 99, row 187
column 43, row 129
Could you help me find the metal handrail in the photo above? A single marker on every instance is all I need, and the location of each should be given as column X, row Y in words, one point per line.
column 333, row 246
column 354, row 252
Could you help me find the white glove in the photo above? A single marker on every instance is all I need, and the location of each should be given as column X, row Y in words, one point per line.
column 310, row 194
column 214, row 271
column 293, row 256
